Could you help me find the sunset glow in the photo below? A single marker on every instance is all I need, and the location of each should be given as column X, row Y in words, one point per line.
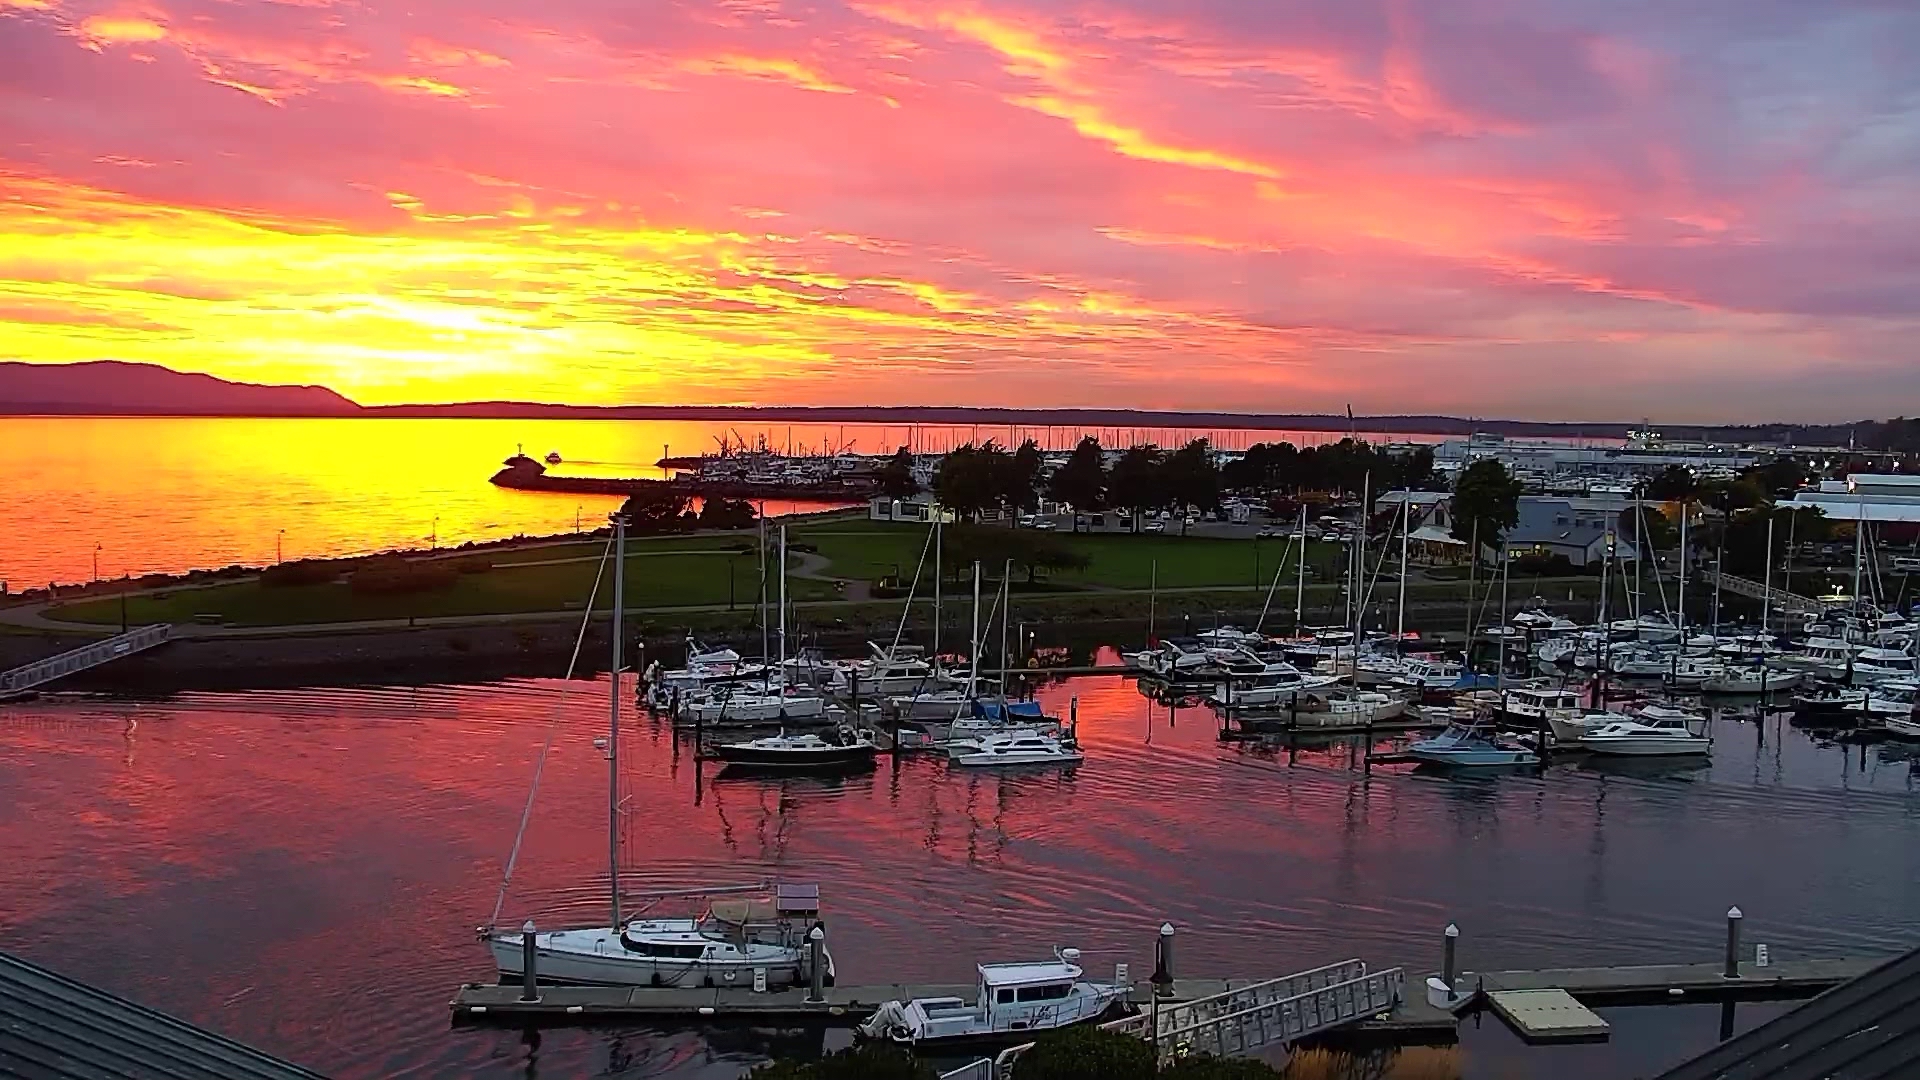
column 1565, row 209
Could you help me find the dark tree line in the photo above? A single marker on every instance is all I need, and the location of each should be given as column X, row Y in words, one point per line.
column 653, row 511
column 1344, row 467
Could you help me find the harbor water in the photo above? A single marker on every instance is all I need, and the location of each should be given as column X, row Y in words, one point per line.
column 304, row 870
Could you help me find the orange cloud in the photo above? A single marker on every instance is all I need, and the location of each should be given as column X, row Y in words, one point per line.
column 774, row 69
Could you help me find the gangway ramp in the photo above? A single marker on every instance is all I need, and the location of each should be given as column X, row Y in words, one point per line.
column 92, row 655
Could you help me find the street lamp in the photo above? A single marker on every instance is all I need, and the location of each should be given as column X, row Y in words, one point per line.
column 278, row 542
column 96, row 562
column 433, row 538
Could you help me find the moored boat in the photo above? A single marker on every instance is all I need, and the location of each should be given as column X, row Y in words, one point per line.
column 1014, row 1001
column 839, row 748
column 1647, row 737
column 1466, row 747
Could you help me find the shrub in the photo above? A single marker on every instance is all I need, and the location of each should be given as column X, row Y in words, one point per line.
column 471, row 564
column 1213, row 1068
column 396, row 577
column 1085, row 1053
column 867, row 1061
column 299, row 572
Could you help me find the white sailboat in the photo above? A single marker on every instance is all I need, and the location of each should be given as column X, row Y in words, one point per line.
column 724, row 945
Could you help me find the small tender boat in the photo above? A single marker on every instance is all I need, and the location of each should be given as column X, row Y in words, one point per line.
column 1466, row 747
column 839, row 748
column 1014, row 1002
column 553, row 457
column 1022, row 748
column 1647, row 736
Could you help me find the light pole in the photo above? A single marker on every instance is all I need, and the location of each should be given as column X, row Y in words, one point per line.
column 433, row 538
column 279, row 539
column 576, row 519
column 96, row 562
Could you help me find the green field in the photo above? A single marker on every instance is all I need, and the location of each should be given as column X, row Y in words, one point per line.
column 676, row 577
column 867, row 550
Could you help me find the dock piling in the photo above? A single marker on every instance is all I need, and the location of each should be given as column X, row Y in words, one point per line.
column 817, row 973
column 1734, row 918
column 1449, row 968
column 529, row 958
column 1163, row 962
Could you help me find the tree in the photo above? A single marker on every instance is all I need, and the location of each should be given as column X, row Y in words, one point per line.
column 1190, row 478
column 1487, row 501
column 1662, row 535
column 1019, row 478
column 1673, row 482
column 1203, row 1067
column 971, row 479
column 1085, row 1053
column 1781, row 476
column 1082, row 482
column 865, row 1061
column 1138, row 482
column 718, row 513
column 896, row 476
column 993, row 547
column 657, row 508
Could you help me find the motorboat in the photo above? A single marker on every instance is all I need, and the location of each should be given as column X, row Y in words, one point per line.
column 1641, row 662
column 1750, row 680
column 1651, row 628
column 1342, row 708
column 1013, row 1002
column 1533, row 707
column 1465, row 747
column 1572, row 730
column 725, row 946
column 1876, row 664
column 1647, row 737
column 1829, row 702
column 1174, row 659
column 1691, row 671
column 1828, row 657
column 741, row 707
column 1422, row 675
column 988, row 718
column 1021, row 747
column 1275, row 684
column 1902, row 729
column 838, row 748
column 1888, row 701
column 899, row 670
column 553, row 457
column 1661, row 711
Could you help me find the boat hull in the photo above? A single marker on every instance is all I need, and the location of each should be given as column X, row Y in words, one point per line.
column 568, row 967
column 1648, row 747
column 839, row 757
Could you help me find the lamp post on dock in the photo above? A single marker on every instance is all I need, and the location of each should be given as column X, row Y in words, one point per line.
column 433, row 537
column 279, row 539
column 96, row 562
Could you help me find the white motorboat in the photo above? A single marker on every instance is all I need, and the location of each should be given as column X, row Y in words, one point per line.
column 1275, row 684
column 1653, row 711
column 1648, row 737
column 1174, row 659
column 1827, row 657
column 1641, row 663
column 1346, row 708
column 778, row 705
column 1887, row 702
column 839, row 748
column 900, row 670
column 1651, row 628
column 1750, row 680
column 723, row 947
column 1021, row 747
column 1903, row 729
column 1691, row 671
column 1535, row 706
column 1875, row 664
column 1463, row 746
column 1422, row 675
column 1571, row 730
column 1014, row 1002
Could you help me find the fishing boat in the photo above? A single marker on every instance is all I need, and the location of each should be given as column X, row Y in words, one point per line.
column 1464, row 746
column 1014, row 1001
column 727, row 944
column 1535, row 706
column 1021, row 747
column 838, row 748
column 1647, row 737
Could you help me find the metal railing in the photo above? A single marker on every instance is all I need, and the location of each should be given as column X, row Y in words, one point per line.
column 27, row 676
column 1244, row 1020
column 1791, row 603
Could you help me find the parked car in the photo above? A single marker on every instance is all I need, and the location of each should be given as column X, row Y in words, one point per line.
column 1046, row 525
column 1154, row 526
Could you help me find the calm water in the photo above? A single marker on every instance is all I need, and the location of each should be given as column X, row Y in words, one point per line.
column 304, row 869
column 173, row 494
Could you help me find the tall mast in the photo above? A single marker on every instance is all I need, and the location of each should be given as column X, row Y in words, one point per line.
column 973, row 648
column 1406, row 525
column 1300, row 573
column 1006, row 616
column 765, row 651
column 1859, row 549
column 1686, row 511
column 783, row 605
column 1500, row 679
column 613, row 727
column 937, row 564
column 1766, row 583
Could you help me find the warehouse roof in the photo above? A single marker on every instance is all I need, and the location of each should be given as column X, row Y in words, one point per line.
column 53, row 1028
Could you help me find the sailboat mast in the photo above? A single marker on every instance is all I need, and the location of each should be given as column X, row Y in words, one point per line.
column 1859, row 549
column 937, row 567
column 1766, row 583
column 1300, row 574
column 783, row 606
column 1406, row 525
column 973, row 647
column 1500, row 680
column 765, row 651
column 613, row 726
column 1006, row 613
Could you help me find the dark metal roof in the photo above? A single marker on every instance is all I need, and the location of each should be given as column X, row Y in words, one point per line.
column 1867, row 1029
column 53, row 1028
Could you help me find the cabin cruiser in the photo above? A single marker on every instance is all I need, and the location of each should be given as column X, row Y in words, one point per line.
column 1640, row 662
column 1750, row 680
column 1536, row 706
column 705, row 670
column 1876, row 664
column 1014, row 1002
column 744, row 706
column 1343, row 708
column 1464, row 746
column 1829, row 658
column 1830, row 702
column 1274, row 684
column 725, row 946
column 1538, row 620
column 1691, row 671
column 900, row 670
column 838, row 748
column 1649, row 737
column 1421, row 675
column 1888, row 701
column 1020, row 747
column 1652, row 629
column 1174, row 659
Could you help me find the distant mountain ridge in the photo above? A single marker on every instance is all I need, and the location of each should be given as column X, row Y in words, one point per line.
column 120, row 388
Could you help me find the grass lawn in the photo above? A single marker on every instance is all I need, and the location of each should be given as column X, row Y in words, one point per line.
column 662, row 580
column 1119, row 561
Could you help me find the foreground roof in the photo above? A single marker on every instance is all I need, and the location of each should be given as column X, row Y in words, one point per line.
column 53, row 1028
column 1866, row 1029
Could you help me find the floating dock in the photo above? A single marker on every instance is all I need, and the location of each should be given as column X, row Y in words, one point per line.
column 1626, row 985
column 1547, row 1015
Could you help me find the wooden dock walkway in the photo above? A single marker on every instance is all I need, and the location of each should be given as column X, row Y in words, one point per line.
column 1782, row 978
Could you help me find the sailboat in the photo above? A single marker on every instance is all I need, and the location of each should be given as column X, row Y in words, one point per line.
column 752, row 929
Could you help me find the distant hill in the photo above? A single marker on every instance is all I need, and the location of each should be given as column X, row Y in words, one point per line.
column 117, row 388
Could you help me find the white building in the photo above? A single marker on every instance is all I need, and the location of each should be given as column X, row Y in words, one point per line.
column 920, row 508
column 1874, row 497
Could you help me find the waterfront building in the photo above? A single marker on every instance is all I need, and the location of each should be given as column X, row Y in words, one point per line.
column 1889, row 501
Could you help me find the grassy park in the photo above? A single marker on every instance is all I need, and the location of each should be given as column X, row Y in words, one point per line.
column 703, row 570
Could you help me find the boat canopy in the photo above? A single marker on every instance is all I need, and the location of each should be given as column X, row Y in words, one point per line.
column 1050, row 971
column 741, row 912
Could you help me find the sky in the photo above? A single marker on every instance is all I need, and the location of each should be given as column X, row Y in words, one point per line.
column 1675, row 210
